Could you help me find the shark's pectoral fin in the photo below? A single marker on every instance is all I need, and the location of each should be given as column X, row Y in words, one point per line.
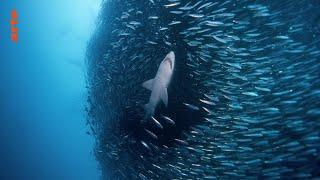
column 148, row 84
column 164, row 96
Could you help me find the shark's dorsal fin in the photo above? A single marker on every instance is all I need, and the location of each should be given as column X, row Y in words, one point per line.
column 164, row 96
column 148, row 84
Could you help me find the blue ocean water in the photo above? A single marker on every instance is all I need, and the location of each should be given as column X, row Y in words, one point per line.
column 244, row 99
column 43, row 95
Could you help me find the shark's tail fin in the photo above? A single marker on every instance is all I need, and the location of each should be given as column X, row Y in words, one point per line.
column 149, row 109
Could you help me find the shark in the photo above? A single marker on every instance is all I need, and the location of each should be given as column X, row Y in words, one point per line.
column 159, row 84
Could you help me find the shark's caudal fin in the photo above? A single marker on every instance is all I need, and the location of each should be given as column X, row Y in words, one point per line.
column 164, row 96
column 149, row 110
column 148, row 84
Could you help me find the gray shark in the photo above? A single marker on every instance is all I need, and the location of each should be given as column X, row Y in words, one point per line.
column 158, row 85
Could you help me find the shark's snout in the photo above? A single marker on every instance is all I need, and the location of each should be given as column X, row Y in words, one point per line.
column 171, row 55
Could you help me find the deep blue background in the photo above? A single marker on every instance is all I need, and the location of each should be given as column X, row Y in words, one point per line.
column 43, row 96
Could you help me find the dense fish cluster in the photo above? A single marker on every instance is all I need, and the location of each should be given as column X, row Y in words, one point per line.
column 244, row 101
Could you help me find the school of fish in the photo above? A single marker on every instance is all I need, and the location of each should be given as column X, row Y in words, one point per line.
column 243, row 101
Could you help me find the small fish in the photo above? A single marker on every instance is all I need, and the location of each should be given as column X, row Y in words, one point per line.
column 176, row 12
column 151, row 42
column 181, row 141
column 193, row 107
column 250, row 94
column 153, row 17
column 205, row 5
column 219, row 39
column 174, row 23
column 214, row 23
column 151, row 134
column 145, row 145
column 157, row 122
column 263, row 89
column 168, row 120
column 172, row 5
column 135, row 23
column 207, row 102
column 163, row 29
column 196, row 15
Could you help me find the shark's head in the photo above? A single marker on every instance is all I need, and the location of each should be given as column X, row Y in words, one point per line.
column 170, row 58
